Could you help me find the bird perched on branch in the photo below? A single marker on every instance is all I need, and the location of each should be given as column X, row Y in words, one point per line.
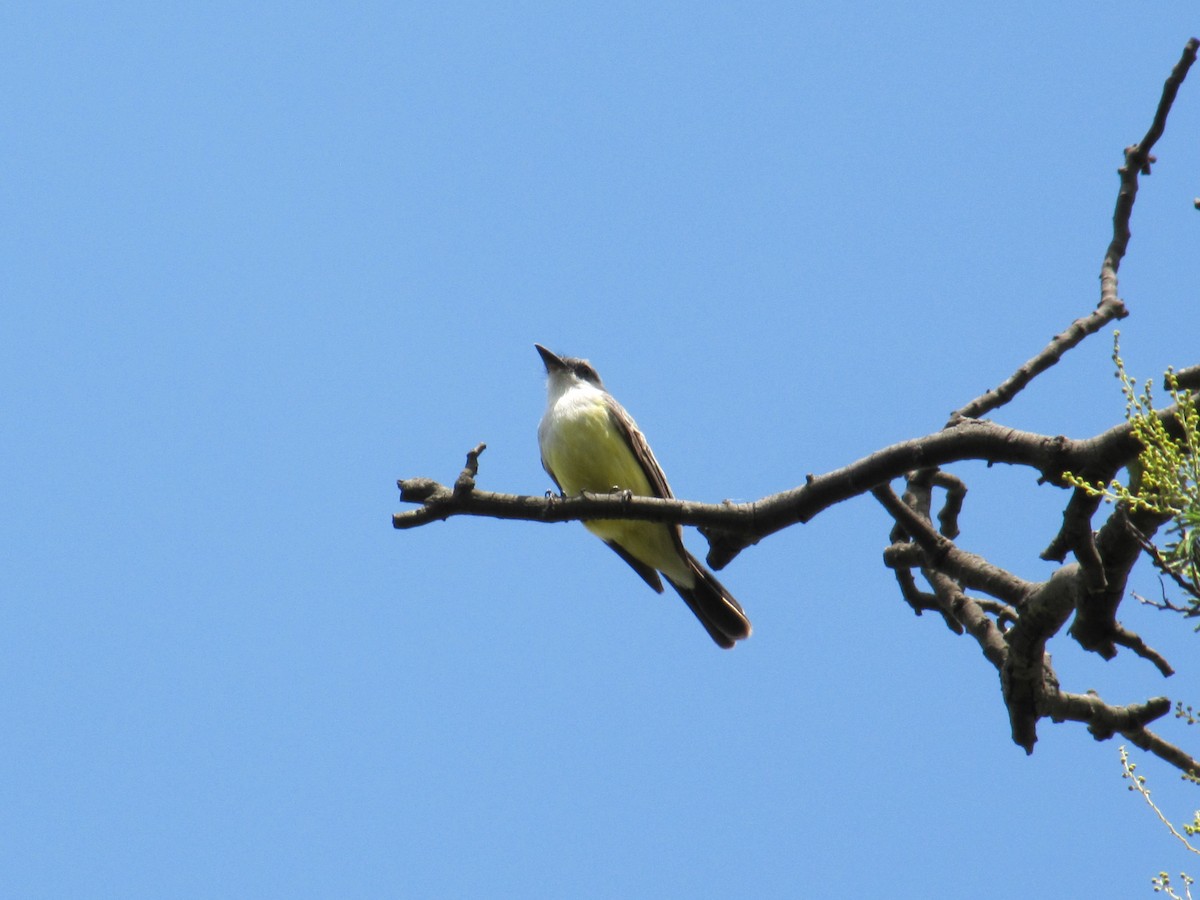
column 590, row 443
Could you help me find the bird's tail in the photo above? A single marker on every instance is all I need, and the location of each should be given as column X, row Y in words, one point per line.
column 722, row 616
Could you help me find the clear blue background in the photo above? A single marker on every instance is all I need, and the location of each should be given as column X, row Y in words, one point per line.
column 262, row 260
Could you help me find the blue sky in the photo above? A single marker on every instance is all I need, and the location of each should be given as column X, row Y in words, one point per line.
column 261, row 261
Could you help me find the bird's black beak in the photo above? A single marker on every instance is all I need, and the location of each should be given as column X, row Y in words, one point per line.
column 553, row 363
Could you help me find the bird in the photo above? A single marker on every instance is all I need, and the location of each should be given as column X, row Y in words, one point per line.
column 589, row 442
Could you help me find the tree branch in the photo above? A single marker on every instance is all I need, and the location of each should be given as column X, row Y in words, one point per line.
column 1028, row 682
column 1164, row 750
column 1186, row 379
column 1138, row 160
column 1026, row 678
column 731, row 527
column 1048, row 357
column 941, row 554
column 1095, row 627
column 1110, row 307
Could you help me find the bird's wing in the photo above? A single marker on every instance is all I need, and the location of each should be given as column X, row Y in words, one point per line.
column 641, row 450
column 645, row 457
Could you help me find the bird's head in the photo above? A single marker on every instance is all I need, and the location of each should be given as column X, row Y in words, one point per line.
column 568, row 368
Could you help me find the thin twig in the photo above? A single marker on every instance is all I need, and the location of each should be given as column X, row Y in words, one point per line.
column 1138, row 783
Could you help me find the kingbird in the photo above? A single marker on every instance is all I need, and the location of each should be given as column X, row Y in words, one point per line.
column 589, row 443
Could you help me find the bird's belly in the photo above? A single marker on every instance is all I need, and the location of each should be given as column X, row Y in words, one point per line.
column 587, row 453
